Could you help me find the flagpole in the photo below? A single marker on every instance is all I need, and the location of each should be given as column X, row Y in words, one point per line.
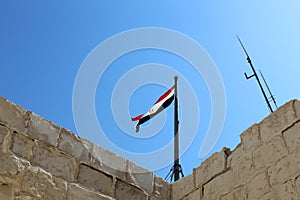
column 177, row 167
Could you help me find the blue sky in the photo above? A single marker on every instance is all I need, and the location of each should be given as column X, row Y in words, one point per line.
column 44, row 44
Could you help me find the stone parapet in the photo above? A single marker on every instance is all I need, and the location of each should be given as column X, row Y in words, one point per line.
column 265, row 165
column 41, row 160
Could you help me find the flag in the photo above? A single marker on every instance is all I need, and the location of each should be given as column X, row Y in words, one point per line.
column 163, row 102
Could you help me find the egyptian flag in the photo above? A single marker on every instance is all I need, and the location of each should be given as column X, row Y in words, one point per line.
column 164, row 101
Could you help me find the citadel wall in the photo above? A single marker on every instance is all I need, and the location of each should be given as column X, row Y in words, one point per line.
column 40, row 160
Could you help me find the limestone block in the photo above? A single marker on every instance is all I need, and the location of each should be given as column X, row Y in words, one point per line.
column 6, row 192
column 282, row 191
column 218, row 186
column 42, row 129
column 107, row 161
column 297, row 108
column 285, row 169
column 94, row 179
column 237, row 194
column 251, row 138
column 182, row 187
column 12, row 116
column 61, row 187
column 243, row 169
column 269, row 153
column 75, row 192
column 196, row 195
column 3, row 132
column 292, row 138
column 30, row 182
column 140, row 176
column 54, row 161
column 23, row 196
column 41, row 185
column 258, row 186
column 126, row 191
column 241, row 164
column 22, row 145
column 268, row 196
column 278, row 121
column 212, row 166
column 297, row 185
column 73, row 145
column 11, row 165
column 161, row 189
column 228, row 196
column 286, row 191
column 236, row 154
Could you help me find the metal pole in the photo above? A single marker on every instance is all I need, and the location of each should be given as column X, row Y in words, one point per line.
column 259, row 83
column 255, row 75
column 177, row 167
column 271, row 95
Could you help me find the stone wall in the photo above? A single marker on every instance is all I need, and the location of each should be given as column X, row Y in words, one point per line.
column 264, row 166
column 40, row 160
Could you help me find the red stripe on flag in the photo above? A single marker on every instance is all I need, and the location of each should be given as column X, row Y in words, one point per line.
column 136, row 118
column 164, row 95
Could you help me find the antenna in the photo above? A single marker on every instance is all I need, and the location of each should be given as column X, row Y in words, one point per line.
column 271, row 95
column 255, row 75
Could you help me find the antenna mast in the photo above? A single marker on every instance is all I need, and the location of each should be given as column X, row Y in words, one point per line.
column 271, row 95
column 255, row 75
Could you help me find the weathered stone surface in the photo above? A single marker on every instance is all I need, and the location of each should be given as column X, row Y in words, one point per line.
column 212, row 166
column 286, row 191
column 12, row 115
column 25, row 196
column 243, row 169
column 54, row 161
column 297, row 108
column 251, row 138
column 161, row 189
column 94, row 179
column 258, row 186
column 22, row 145
column 216, row 188
column 241, row 164
column 105, row 160
column 29, row 182
column 297, row 185
column 182, row 187
column 75, row 192
column 6, row 192
column 265, row 166
column 125, row 191
column 268, row 196
column 195, row 195
column 282, row 191
column 3, row 132
column 236, row 154
column 285, row 169
column 292, row 138
column 228, row 196
column 237, row 194
column 41, row 184
column 269, row 153
column 42, row 129
column 11, row 165
column 73, row 145
column 140, row 176
column 278, row 121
